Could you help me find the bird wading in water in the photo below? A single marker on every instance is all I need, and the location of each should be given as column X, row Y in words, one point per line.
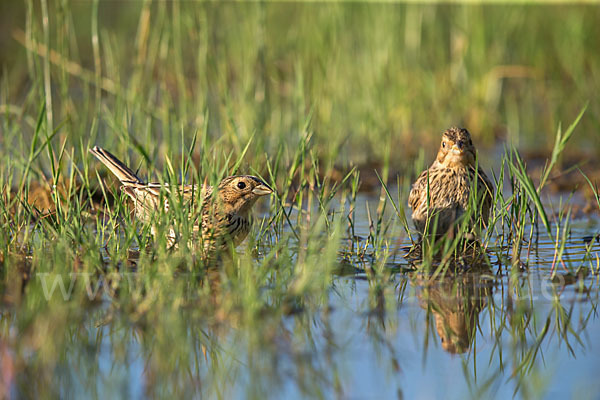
column 443, row 192
column 225, row 215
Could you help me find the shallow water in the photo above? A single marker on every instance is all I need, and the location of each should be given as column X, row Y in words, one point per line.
column 492, row 333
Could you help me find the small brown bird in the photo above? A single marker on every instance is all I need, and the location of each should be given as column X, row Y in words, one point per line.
column 443, row 191
column 225, row 217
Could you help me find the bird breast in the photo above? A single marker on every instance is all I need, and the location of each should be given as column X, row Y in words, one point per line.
column 449, row 186
column 238, row 227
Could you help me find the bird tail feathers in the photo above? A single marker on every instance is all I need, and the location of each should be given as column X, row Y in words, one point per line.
column 121, row 171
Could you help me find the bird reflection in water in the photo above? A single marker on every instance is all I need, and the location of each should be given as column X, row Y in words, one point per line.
column 455, row 303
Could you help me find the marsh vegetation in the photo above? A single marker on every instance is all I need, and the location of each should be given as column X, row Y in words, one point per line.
column 337, row 107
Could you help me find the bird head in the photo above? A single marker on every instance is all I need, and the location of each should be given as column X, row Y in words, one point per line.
column 238, row 193
column 456, row 149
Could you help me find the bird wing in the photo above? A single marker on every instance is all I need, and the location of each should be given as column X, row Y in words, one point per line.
column 418, row 190
column 147, row 197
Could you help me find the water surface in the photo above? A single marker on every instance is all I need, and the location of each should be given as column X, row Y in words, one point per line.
column 493, row 332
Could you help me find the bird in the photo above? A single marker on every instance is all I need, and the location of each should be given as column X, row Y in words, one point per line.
column 224, row 216
column 443, row 192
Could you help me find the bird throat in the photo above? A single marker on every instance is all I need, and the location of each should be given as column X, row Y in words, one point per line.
column 452, row 161
column 455, row 160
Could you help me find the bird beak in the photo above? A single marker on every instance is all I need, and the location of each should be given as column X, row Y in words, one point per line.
column 456, row 150
column 262, row 190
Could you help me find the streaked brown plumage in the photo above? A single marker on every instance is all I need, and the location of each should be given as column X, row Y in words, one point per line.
column 450, row 180
column 225, row 217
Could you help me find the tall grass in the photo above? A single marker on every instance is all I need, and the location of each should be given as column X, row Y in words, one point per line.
column 401, row 75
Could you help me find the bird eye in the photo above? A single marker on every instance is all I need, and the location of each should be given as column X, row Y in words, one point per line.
column 444, row 144
column 241, row 185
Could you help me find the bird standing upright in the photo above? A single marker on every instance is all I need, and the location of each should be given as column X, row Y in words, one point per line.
column 225, row 217
column 442, row 192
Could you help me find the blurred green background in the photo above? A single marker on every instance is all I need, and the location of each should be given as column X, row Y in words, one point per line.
column 370, row 85
column 372, row 82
